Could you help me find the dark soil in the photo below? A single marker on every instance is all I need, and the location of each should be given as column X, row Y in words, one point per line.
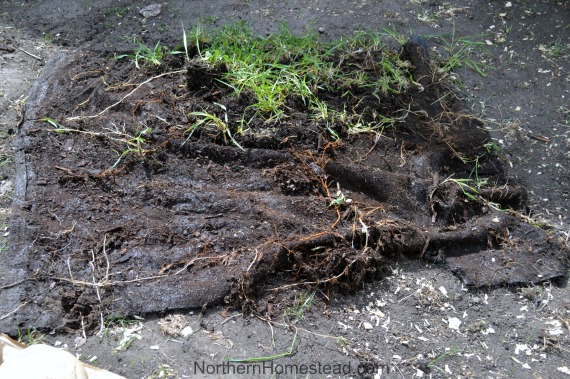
column 182, row 225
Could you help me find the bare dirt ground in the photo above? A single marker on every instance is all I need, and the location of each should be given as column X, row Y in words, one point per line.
column 419, row 319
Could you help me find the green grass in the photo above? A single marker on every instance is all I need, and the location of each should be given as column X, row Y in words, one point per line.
column 163, row 371
column 459, row 50
column 120, row 322
column 301, row 305
column 220, row 125
column 287, row 353
column 283, row 74
column 555, row 49
column 284, row 66
column 283, row 69
column 130, row 143
column 433, row 364
column 118, row 11
column 31, row 336
column 115, row 326
column 5, row 160
column 148, row 56
column 565, row 114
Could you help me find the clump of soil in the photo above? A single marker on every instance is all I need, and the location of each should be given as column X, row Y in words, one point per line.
column 127, row 204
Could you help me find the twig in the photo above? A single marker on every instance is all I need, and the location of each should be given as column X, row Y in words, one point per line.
column 287, row 326
column 565, row 322
column 107, row 283
column 15, row 283
column 69, row 268
column 30, row 54
column 253, row 261
column 14, row 311
column 124, row 97
column 333, row 278
column 272, row 335
column 214, row 216
column 539, row 138
column 400, row 371
column 106, row 257
column 557, row 346
column 230, row 318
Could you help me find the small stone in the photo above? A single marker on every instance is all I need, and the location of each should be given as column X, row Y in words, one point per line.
column 476, row 300
column 151, row 10
column 79, row 341
column 321, row 30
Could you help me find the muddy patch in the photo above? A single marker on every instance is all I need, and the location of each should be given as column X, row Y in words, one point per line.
column 118, row 210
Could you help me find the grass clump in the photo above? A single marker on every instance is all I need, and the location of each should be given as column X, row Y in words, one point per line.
column 300, row 307
column 555, row 49
column 459, row 50
column 30, row 336
column 284, row 69
column 145, row 56
column 351, row 85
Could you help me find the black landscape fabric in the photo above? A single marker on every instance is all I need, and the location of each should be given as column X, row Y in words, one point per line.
column 186, row 224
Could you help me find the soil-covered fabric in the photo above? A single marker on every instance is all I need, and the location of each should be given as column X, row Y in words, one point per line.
column 119, row 211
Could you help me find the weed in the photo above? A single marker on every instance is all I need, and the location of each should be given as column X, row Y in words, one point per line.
column 129, row 328
column 459, row 51
column 450, row 352
column 31, row 336
column 210, row 19
column 163, row 371
column 284, row 66
column 553, row 50
column 492, row 147
column 471, row 188
column 134, row 144
column 565, row 113
column 287, row 353
column 130, row 143
column 301, row 305
column 531, row 335
column 393, row 33
column 118, row 11
column 207, row 119
column 113, row 321
column 283, row 69
column 147, row 56
column 5, row 160
column 47, row 38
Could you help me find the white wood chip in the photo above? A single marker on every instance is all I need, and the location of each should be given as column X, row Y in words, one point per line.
column 367, row 326
column 564, row 370
column 453, row 323
column 521, row 347
column 187, row 331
